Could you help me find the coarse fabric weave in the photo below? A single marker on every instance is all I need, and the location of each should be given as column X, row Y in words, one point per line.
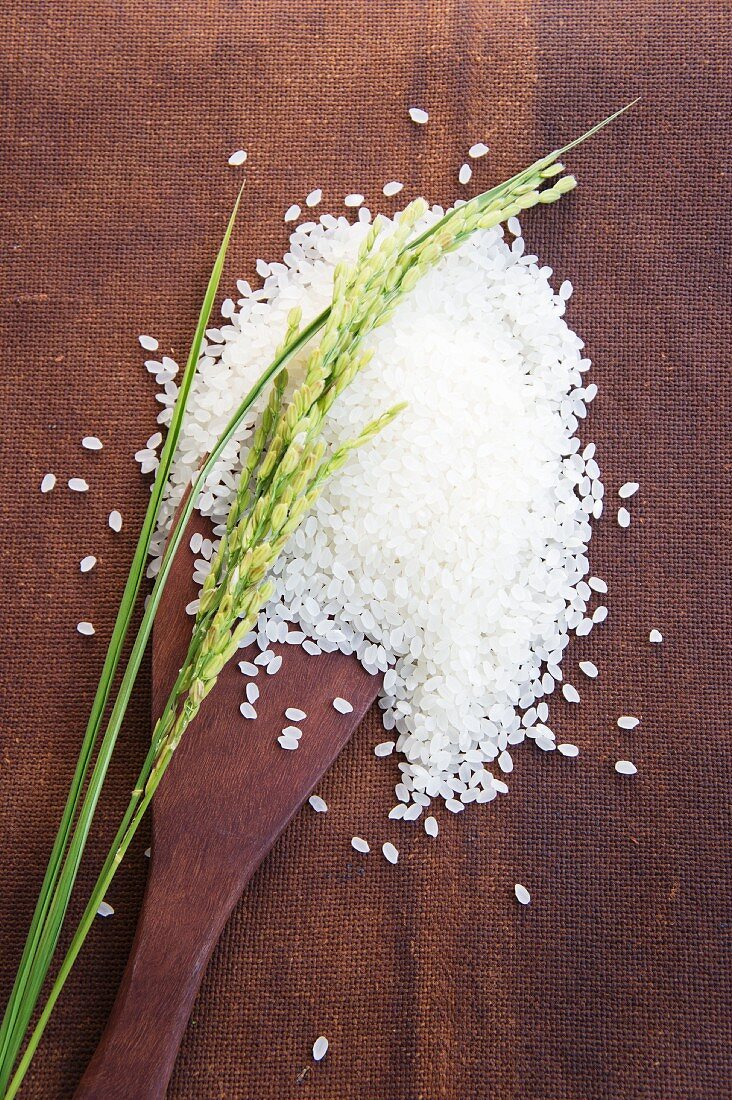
column 428, row 979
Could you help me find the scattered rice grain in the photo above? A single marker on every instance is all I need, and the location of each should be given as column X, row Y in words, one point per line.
column 570, row 693
column 523, row 897
column 625, row 767
column 320, row 1048
column 418, row 115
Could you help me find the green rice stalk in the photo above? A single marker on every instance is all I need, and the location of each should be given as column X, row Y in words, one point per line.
column 363, row 299
column 51, row 904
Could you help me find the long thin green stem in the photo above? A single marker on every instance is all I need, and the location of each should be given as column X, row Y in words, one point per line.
column 30, row 974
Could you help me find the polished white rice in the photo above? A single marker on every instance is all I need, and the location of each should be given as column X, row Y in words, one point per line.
column 625, row 767
column 450, row 559
column 523, row 897
column 320, row 1048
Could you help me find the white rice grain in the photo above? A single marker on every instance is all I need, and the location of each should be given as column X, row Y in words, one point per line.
column 625, row 767
column 477, row 150
column 320, row 1048
column 392, row 188
column 295, row 714
column 48, row 482
column 570, row 693
column 418, row 115
column 523, row 897
column 390, row 852
column 359, row 844
column 237, row 157
column 629, row 489
column 87, row 563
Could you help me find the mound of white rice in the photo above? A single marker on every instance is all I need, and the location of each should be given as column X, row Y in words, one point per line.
column 450, row 553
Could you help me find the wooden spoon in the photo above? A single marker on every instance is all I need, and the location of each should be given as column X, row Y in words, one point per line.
column 227, row 795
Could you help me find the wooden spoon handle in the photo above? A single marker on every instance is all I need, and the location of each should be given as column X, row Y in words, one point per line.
column 178, row 927
column 227, row 795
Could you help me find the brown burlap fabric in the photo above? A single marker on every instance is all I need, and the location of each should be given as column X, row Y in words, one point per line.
column 428, row 979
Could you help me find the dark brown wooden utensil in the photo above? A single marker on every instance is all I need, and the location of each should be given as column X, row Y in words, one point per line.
column 229, row 792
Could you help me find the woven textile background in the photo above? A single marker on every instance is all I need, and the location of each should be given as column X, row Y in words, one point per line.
column 429, row 980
